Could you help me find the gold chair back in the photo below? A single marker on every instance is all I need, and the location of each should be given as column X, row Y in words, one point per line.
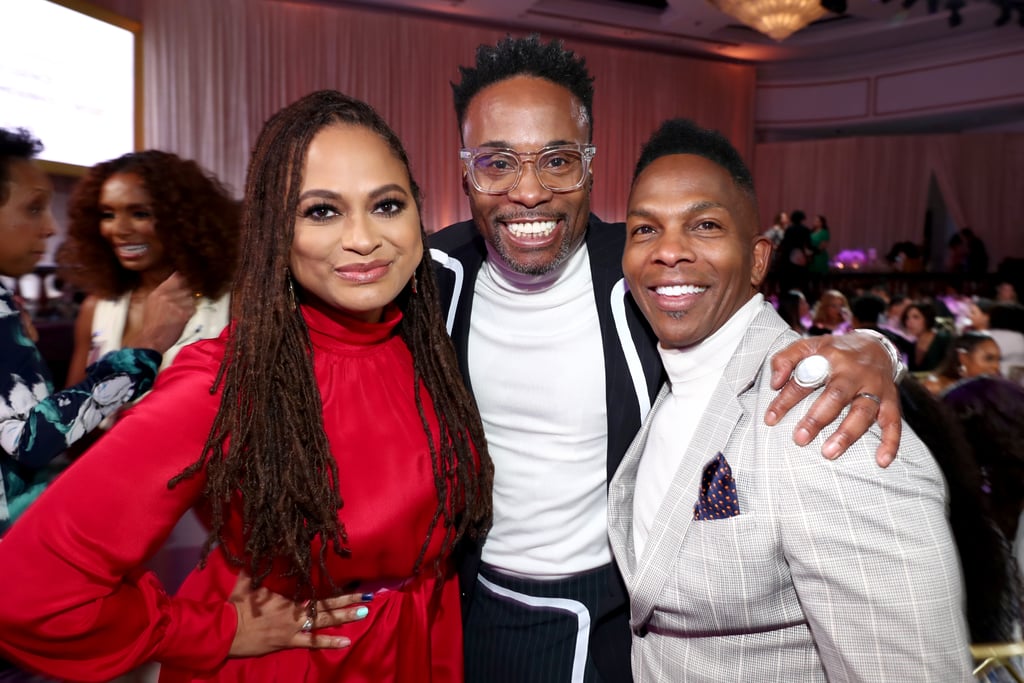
column 992, row 656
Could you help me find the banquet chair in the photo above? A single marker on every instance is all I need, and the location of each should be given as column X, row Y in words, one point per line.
column 990, row 657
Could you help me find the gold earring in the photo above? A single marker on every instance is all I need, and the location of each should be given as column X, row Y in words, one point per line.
column 291, row 289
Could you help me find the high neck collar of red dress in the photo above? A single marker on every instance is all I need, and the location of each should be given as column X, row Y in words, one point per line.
column 331, row 323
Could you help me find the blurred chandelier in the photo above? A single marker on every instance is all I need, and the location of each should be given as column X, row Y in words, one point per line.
column 775, row 18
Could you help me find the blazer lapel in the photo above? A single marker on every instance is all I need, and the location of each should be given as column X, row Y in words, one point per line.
column 724, row 412
column 675, row 515
column 621, row 490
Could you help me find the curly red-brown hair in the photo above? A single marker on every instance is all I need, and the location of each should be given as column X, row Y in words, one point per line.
column 196, row 220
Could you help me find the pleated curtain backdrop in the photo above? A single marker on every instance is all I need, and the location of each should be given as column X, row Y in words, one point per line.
column 214, row 72
column 874, row 190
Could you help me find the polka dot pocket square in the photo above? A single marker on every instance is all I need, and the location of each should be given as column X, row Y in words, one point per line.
column 717, row 499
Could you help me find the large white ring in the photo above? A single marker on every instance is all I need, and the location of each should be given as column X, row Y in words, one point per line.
column 812, row 372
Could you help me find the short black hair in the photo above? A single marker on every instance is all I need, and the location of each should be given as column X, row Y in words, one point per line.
column 797, row 217
column 525, row 57
column 17, row 144
column 683, row 136
column 867, row 308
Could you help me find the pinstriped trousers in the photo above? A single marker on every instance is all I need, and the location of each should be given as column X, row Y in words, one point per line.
column 526, row 631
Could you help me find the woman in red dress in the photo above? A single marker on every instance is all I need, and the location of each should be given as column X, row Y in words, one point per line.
column 325, row 438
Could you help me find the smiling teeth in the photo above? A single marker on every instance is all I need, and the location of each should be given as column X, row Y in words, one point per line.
column 532, row 229
column 134, row 248
column 679, row 290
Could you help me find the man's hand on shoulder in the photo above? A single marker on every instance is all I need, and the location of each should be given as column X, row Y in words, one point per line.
column 862, row 377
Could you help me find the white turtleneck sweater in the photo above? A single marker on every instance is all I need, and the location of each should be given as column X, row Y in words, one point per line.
column 537, row 367
column 694, row 373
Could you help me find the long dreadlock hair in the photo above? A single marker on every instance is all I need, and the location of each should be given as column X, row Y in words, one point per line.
column 267, row 442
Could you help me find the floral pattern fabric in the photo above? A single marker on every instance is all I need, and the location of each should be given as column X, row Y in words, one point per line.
column 36, row 424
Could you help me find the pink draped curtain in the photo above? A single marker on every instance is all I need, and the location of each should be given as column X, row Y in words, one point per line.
column 874, row 190
column 214, row 71
column 982, row 182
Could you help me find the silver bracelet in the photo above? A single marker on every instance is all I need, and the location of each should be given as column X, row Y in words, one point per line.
column 899, row 370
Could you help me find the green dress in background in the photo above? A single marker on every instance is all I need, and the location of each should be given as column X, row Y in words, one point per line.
column 819, row 262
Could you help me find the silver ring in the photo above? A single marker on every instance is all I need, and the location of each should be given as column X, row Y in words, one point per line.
column 307, row 625
column 812, row 372
column 871, row 397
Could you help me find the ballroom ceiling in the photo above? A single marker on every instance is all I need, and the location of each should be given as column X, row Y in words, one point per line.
column 695, row 27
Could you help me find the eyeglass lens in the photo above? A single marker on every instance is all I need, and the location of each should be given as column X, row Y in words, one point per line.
column 499, row 171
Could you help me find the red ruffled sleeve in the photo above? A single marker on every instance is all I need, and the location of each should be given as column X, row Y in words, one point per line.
column 76, row 605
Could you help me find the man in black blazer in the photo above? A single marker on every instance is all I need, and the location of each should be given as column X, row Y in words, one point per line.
column 564, row 368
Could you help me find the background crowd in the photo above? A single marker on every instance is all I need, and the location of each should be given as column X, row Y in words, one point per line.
column 964, row 397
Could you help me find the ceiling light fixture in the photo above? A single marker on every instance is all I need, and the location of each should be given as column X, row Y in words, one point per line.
column 777, row 19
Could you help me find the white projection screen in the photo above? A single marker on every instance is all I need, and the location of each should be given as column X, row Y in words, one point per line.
column 71, row 73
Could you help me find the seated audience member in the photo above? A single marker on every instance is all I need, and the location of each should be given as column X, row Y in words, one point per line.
column 976, row 314
column 1006, row 325
column 991, row 577
column 794, row 309
column 971, row 354
column 326, row 437
column 134, row 222
column 893, row 320
column 1006, row 293
column 991, row 411
column 865, row 312
column 831, row 314
column 745, row 560
column 36, row 425
column 931, row 343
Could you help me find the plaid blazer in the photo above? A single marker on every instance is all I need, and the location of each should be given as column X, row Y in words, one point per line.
column 833, row 570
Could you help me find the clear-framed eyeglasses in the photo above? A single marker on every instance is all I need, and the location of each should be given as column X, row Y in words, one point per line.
column 559, row 168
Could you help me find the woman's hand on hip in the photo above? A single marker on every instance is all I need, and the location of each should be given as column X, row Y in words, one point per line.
column 268, row 622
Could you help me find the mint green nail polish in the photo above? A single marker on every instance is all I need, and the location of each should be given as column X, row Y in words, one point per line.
column 362, row 612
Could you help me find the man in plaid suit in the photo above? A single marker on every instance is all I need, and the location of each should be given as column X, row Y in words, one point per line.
column 745, row 559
